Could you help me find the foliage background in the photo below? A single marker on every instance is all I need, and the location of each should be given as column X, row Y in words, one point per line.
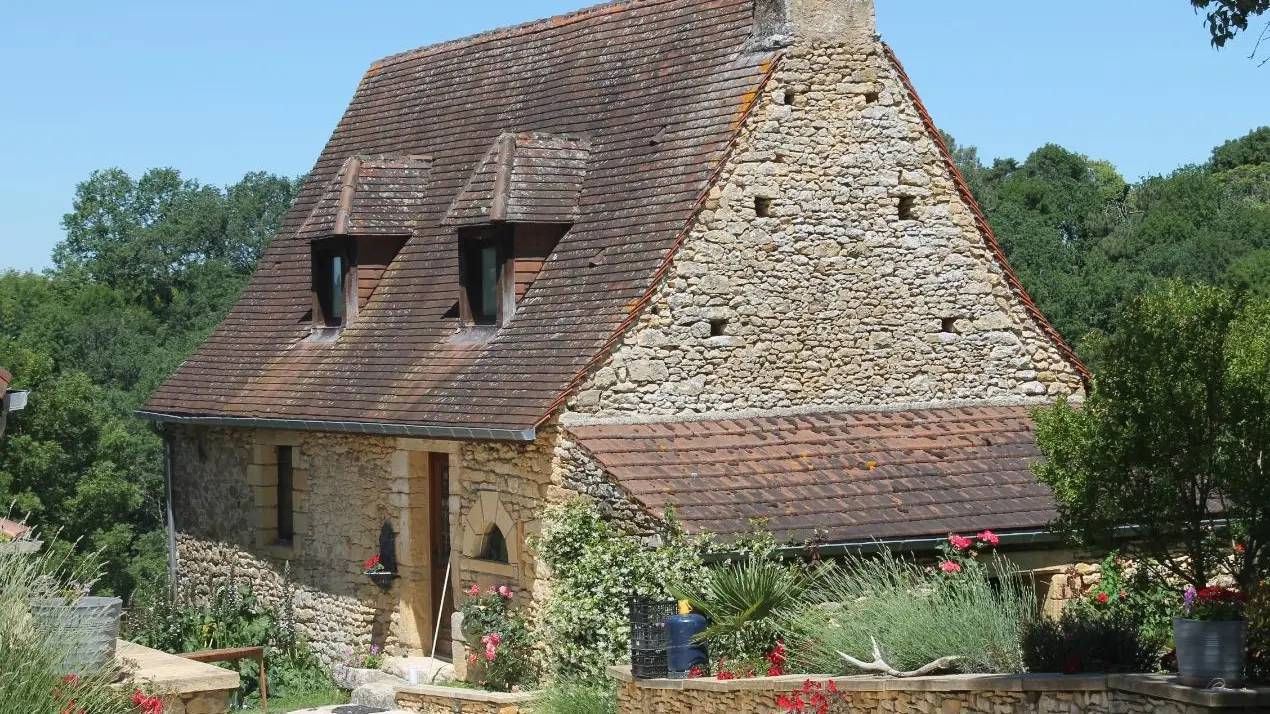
column 148, row 268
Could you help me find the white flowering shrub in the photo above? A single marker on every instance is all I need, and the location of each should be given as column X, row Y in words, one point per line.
column 595, row 570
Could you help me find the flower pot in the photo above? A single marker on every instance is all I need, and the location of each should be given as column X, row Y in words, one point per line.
column 20, row 547
column 382, row 578
column 1209, row 650
column 86, row 627
column 350, row 677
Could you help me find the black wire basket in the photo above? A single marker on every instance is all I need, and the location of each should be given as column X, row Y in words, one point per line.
column 648, row 636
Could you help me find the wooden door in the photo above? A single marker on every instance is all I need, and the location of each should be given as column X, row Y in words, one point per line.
column 439, row 517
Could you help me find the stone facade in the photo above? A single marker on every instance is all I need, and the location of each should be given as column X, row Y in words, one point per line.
column 346, row 487
column 833, row 264
column 962, row 694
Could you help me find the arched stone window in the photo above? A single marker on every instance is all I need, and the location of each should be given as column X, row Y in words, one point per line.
column 494, row 547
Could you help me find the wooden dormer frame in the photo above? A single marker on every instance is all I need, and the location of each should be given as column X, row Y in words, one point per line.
column 471, row 242
column 322, row 252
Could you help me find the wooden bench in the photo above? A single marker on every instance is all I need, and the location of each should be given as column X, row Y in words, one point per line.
column 234, row 654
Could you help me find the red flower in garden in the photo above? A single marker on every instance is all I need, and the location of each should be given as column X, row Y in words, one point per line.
column 372, row 563
column 475, row 590
column 1102, row 598
column 960, row 542
column 950, row 567
column 1239, row 547
column 989, row 538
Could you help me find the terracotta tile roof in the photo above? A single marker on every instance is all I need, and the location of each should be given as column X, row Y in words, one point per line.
column 858, row 475
column 525, row 178
column 658, row 88
column 13, row 529
column 384, row 197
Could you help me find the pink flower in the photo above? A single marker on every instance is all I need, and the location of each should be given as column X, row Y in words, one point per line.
column 489, row 652
column 505, row 591
column 990, row 538
column 471, row 659
column 495, row 638
column 950, row 567
column 960, row 542
column 475, row 590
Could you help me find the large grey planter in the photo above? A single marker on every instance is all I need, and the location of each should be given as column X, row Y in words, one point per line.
column 87, row 629
column 1210, row 650
column 20, row 547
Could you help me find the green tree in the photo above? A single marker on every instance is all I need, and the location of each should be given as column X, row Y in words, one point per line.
column 1252, row 149
column 1227, row 18
column 1170, row 440
column 147, row 269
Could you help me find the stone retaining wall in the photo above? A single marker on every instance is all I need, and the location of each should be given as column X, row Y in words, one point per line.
column 960, row 694
column 452, row 700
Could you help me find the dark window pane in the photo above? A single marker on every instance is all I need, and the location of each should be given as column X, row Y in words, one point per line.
column 489, row 282
column 286, row 508
column 337, row 288
column 495, row 546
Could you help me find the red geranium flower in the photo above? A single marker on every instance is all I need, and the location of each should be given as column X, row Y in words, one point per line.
column 960, row 542
column 1102, row 598
column 372, row 563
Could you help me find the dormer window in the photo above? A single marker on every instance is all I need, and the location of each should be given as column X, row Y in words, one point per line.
column 334, row 282
column 483, row 255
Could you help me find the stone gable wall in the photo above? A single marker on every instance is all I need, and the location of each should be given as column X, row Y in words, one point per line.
column 830, row 299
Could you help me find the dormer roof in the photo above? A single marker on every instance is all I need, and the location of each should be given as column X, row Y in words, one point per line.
column 371, row 195
column 524, row 178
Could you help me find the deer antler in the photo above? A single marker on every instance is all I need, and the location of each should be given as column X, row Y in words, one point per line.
column 878, row 665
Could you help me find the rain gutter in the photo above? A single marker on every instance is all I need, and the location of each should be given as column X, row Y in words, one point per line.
column 420, row 431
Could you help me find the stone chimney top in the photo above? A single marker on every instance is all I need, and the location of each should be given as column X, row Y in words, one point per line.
column 849, row 22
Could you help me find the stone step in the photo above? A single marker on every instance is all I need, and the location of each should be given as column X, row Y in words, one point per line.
column 350, row 709
column 379, row 693
column 428, row 669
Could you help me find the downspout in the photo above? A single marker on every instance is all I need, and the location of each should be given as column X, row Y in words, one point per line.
column 166, row 435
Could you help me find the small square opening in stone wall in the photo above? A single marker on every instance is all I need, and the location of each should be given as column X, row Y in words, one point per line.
column 788, row 95
column 762, row 207
column 949, row 325
column 871, row 97
column 908, row 208
column 718, row 327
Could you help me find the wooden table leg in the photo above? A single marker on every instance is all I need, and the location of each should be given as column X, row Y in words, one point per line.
column 264, row 686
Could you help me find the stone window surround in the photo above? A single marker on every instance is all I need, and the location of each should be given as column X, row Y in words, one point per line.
column 262, row 476
column 489, row 511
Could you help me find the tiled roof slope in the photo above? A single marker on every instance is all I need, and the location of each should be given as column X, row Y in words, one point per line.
column 857, row 475
column 385, row 197
column 658, row 88
column 541, row 182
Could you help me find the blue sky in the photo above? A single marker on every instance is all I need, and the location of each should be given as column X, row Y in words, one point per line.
column 219, row 89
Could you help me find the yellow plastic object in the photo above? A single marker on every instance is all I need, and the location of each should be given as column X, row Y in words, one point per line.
column 684, row 607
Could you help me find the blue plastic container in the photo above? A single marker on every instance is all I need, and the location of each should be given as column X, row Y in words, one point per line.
column 682, row 653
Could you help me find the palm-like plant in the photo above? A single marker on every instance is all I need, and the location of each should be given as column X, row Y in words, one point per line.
column 739, row 594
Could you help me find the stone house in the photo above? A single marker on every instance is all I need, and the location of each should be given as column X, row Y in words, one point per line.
column 708, row 253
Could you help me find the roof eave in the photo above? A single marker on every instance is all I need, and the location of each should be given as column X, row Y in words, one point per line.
column 418, row 431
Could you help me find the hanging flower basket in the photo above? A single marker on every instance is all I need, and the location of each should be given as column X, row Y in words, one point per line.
column 378, row 574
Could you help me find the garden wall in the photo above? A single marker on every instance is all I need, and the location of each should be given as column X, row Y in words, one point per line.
column 960, row 694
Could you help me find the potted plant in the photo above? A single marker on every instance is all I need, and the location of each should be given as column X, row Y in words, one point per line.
column 374, row 569
column 358, row 667
column 1211, row 637
column 87, row 625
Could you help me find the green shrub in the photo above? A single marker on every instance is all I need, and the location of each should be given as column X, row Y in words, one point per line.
column 232, row 617
column 1084, row 641
column 743, row 601
column 975, row 612
column 498, row 639
column 1134, row 594
column 564, row 696
column 595, row 571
